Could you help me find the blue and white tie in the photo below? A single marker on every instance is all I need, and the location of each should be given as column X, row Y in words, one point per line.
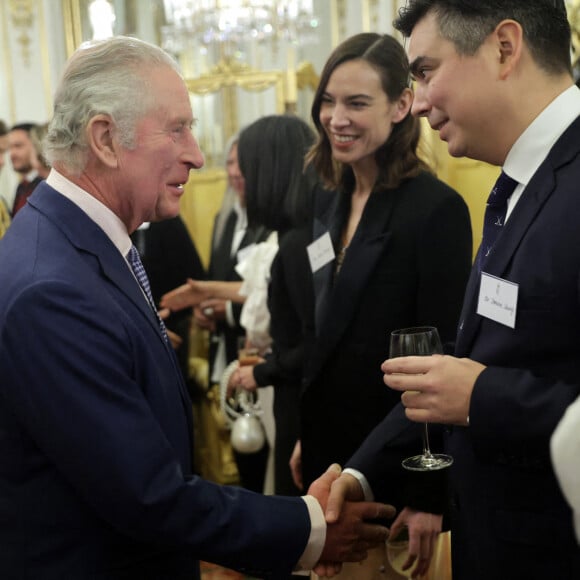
column 138, row 269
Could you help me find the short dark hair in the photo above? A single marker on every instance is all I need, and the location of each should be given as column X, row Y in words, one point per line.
column 23, row 127
column 397, row 158
column 277, row 188
column 3, row 128
column 467, row 23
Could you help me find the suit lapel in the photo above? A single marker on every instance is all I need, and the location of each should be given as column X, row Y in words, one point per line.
column 533, row 198
column 329, row 222
column 88, row 237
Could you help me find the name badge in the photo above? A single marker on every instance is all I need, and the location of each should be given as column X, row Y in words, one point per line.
column 320, row 252
column 498, row 300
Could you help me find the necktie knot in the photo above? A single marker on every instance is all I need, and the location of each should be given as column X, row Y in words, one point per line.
column 495, row 215
column 503, row 188
column 139, row 271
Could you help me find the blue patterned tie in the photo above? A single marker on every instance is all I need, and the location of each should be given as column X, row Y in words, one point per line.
column 495, row 214
column 137, row 266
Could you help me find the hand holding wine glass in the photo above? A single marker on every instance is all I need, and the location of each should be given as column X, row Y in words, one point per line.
column 420, row 341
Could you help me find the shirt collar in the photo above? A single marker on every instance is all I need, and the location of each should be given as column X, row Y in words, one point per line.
column 534, row 144
column 106, row 219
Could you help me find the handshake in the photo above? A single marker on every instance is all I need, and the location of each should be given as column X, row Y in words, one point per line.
column 352, row 524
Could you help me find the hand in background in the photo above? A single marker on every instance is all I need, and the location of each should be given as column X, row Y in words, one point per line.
column 245, row 377
column 185, row 296
column 296, row 466
column 423, row 529
column 174, row 338
column 352, row 533
column 203, row 320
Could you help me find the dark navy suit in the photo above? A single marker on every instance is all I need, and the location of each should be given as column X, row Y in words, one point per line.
column 95, row 425
column 509, row 518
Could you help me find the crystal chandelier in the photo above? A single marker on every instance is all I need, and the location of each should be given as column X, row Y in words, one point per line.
column 234, row 21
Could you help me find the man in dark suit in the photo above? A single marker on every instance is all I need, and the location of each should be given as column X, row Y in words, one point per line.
column 494, row 78
column 95, row 422
column 22, row 152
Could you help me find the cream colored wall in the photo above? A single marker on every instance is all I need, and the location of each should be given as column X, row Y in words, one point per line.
column 201, row 201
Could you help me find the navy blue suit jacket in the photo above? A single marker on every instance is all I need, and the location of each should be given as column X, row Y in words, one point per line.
column 95, row 425
column 509, row 517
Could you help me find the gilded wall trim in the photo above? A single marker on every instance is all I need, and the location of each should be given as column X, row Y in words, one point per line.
column 43, row 40
column 8, row 68
column 22, row 19
column 72, row 25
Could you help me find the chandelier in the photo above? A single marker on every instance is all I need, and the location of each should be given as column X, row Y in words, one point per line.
column 231, row 22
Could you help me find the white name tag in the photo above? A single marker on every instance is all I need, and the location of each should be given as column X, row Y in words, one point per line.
column 498, row 300
column 320, row 252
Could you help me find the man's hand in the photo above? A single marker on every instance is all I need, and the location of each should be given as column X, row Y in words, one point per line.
column 185, row 296
column 438, row 388
column 346, row 487
column 423, row 530
column 350, row 534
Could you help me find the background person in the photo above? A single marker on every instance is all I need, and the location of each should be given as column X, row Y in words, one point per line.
column 96, row 478
column 22, row 153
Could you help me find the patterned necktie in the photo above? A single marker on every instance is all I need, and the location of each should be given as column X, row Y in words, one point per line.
column 495, row 214
column 139, row 271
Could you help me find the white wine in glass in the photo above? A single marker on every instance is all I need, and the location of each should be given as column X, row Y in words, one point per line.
column 420, row 341
column 398, row 554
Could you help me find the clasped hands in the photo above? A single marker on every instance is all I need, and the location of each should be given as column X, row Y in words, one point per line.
column 351, row 531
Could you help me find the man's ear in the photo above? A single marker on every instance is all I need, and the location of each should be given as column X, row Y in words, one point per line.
column 101, row 141
column 510, row 39
column 403, row 105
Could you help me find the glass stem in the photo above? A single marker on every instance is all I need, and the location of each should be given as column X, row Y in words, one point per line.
column 426, row 447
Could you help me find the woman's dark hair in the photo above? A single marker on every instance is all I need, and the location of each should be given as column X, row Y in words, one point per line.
column 271, row 157
column 397, row 158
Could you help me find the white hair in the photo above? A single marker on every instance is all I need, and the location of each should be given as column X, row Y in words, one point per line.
column 107, row 77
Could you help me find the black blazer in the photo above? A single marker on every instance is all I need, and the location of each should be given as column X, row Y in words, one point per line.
column 407, row 265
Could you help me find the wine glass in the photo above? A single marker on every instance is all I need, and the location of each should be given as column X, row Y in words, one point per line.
column 420, row 341
column 398, row 553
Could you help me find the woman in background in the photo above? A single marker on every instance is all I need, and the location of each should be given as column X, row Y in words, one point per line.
column 400, row 256
column 279, row 194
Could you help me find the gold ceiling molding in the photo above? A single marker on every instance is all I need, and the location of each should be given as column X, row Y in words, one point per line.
column 306, row 76
column 229, row 74
column 22, row 17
